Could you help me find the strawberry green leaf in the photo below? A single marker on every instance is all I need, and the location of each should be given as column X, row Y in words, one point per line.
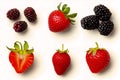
column 17, row 42
column 72, row 20
column 59, row 6
column 30, row 51
column 16, row 46
column 64, row 6
column 26, row 46
column 72, row 15
column 94, row 50
column 66, row 10
column 11, row 49
column 67, row 51
column 21, row 49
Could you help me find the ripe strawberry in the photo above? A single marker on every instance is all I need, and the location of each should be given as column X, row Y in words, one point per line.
column 60, row 19
column 97, row 59
column 61, row 61
column 21, row 57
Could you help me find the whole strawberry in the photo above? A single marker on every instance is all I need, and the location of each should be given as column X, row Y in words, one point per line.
column 97, row 59
column 61, row 61
column 60, row 19
column 21, row 57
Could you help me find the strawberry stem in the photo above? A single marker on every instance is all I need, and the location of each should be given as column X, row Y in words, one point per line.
column 63, row 51
column 94, row 50
column 62, row 47
column 96, row 45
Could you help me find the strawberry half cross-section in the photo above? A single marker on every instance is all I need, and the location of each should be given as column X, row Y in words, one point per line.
column 21, row 57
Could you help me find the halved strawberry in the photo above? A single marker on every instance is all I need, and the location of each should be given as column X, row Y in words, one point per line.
column 21, row 57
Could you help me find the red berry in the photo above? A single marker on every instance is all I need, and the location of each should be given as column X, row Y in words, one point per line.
column 61, row 61
column 30, row 14
column 60, row 19
column 20, row 57
column 13, row 14
column 97, row 59
column 20, row 26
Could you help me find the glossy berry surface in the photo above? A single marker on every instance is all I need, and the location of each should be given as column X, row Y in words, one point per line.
column 90, row 22
column 102, row 12
column 106, row 27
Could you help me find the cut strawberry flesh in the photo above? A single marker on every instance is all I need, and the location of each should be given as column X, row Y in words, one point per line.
column 21, row 61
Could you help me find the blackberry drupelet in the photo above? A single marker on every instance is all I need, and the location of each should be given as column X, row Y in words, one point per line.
column 102, row 12
column 20, row 26
column 90, row 22
column 13, row 14
column 106, row 27
column 30, row 14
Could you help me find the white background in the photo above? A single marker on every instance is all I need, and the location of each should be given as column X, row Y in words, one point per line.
column 45, row 42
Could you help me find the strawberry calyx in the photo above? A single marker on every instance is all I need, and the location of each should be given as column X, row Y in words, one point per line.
column 62, row 51
column 21, row 49
column 66, row 10
column 94, row 50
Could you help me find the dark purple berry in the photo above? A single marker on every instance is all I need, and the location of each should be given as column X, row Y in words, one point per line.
column 90, row 22
column 102, row 12
column 13, row 14
column 30, row 14
column 20, row 26
column 106, row 27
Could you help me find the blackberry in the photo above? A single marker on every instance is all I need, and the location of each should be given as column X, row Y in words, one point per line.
column 90, row 22
column 20, row 26
column 30, row 14
column 105, row 27
column 102, row 12
column 13, row 14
